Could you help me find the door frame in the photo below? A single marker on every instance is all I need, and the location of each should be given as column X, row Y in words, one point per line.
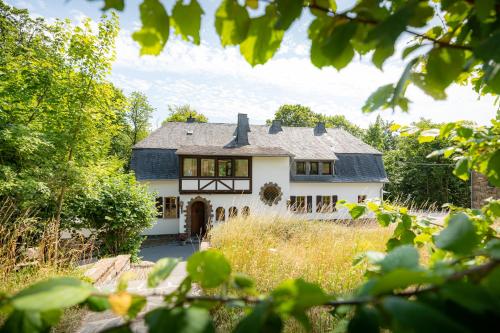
column 208, row 213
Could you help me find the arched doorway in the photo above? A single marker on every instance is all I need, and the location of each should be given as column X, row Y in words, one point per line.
column 198, row 216
column 198, row 219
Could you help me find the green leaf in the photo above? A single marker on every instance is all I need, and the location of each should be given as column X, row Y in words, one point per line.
column 400, row 279
column 484, row 8
column 298, row 296
column 420, row 81
column 357, row 211
column 138, row 303
column 379, row 99
column 243, row 281
column 288, row 11
column 422, row 13
column 489, row 49
column 24, row 322
column 473, row 297
column 384, row 219
column 443, row 66
column 417, row 317
column 55, row 293
column 179, row 320
column 384, row 34
column 493, row 169
column 261, row 319
column 155, row 27
column 407, row 51
column 161, row 271
column 492, row 282
column 493, row 248
column 262, row 40
column 114, row 4
column 404, row 256
column 337, row 46
column 461, row 169
column 365, row 320
column 186, row 20
column 231, row 22
column 98, row 303
column 210, row 268
column 464, row 132
column 428, row 135
column 459, row 236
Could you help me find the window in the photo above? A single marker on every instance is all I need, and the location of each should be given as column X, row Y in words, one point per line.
column 220, row 214
column 225, row 168
column 323, row 204
column 326, row 168
column 245, row 211
column 301, row 204
column 159, row 207
column 233, row 212
column 314, row 169
column 207, row 167
column 170, row 211
column 241, row 168
column 300, row 168
column 270, row 193
column 190, row 167
column 361, row 198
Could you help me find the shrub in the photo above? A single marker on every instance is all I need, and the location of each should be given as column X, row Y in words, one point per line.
column 117, row 209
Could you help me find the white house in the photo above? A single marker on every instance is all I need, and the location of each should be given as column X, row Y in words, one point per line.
column 207, row 172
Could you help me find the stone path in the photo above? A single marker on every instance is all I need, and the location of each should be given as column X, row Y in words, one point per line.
column 99, row 321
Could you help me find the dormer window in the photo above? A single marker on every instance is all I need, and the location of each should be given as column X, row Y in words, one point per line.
column 326, row 168
column 314, row 168
column 300, row 168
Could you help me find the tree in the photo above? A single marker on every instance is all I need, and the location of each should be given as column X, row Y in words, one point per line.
column 417, row 180
column 379, row 135
column 296, row 116
column 302, row 116
column 138, row 115
column 181, row 113
column 135, row 124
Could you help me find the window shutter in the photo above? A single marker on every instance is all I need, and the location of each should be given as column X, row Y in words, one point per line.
column 319, row 203
column 177, row 204
column 335, row 198
column 293, row 201
column 309, row 203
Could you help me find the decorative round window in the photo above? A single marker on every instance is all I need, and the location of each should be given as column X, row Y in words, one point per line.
column 270, row 194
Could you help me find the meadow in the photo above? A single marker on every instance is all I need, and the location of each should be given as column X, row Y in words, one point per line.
column 271, row 249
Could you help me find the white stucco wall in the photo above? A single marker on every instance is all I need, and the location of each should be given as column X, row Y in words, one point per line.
column 264, row 170
column 345, row 191
column 163, row 188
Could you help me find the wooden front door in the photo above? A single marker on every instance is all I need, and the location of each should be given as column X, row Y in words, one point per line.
column 198, row 223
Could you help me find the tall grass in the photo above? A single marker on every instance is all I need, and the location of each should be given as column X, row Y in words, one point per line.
column 31, row 250
column 271, row 249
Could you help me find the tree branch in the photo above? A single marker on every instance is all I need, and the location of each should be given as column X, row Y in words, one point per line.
column 375, row 22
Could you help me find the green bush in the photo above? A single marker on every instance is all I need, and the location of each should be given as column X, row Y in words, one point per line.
column 117, row 209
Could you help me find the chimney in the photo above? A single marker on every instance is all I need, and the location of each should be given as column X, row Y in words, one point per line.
column 275, row 127
column 320, row 128
column 242, row 130
column 190, row 119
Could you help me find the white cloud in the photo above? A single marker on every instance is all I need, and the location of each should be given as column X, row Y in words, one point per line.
column 219, row 83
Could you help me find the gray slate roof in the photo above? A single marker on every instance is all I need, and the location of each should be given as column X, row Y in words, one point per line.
column 156, row 157
column 301, row 142
column 232, row 151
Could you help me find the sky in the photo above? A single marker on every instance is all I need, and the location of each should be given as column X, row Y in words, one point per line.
column 219, row 83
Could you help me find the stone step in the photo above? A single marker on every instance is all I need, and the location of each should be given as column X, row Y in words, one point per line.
column 108, row 269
